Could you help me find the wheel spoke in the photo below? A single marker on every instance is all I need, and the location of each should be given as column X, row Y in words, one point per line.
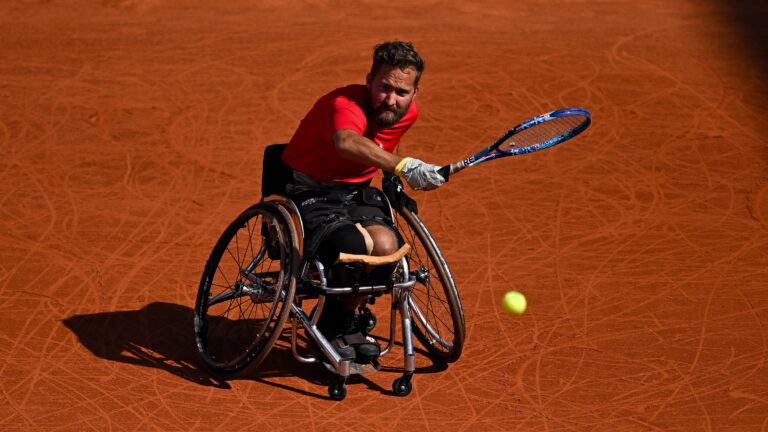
column 429, row 329
column 225, row 296
column 436, row 307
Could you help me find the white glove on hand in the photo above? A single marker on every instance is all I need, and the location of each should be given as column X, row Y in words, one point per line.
column 420, row 175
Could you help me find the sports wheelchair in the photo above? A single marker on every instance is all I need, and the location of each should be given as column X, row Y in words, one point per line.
column 256, row 279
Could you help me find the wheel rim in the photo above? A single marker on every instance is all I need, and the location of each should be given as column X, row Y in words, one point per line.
column 243, row 292
column 438, row 318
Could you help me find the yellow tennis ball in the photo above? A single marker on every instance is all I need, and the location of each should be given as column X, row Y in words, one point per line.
column 514, row 302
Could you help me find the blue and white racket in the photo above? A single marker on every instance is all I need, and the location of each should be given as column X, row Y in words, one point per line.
column 538, row 133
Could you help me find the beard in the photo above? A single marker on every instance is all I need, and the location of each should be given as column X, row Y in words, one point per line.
column 386, row 117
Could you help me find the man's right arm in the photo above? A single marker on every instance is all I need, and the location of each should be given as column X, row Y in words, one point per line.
column 355, row 147
column 418, row 174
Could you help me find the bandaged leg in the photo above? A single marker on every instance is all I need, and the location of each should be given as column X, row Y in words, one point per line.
column 356, row 254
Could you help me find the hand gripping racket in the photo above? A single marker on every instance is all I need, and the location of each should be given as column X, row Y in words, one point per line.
column 538, row 133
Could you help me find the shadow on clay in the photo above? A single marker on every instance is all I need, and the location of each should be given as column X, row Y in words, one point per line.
column 160, row 335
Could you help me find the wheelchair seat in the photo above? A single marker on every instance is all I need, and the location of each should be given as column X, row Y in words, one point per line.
column 257, row 280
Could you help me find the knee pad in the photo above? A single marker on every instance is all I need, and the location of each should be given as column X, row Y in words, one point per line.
column 346, row 238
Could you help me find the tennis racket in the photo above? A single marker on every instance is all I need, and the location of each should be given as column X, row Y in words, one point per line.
column 538, row 133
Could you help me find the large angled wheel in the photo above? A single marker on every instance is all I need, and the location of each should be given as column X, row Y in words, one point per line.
column 246, row 289
column 435, row 305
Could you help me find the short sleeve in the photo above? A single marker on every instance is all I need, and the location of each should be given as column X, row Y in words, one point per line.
column 348, row 115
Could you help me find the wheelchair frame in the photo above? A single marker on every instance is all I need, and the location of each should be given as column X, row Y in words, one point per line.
column 241, row 280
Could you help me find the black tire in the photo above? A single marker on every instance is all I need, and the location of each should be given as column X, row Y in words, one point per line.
column 338, row 390
column 436, row 310
column 402, row 386
column 246, row 290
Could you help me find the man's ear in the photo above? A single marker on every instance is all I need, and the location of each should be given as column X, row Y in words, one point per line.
column 368, row 80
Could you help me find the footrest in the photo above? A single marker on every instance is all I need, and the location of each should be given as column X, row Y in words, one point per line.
column 356, row 368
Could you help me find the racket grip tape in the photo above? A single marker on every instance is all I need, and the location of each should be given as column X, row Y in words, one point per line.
column 445, row 172
column 453, row 168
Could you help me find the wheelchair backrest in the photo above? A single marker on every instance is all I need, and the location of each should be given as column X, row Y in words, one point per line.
column 275, row 174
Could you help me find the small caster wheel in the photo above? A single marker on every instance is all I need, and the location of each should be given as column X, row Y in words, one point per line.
column 402, row 386
column 338, row 390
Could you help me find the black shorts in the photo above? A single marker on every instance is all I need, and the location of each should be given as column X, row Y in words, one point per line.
column 326, row 209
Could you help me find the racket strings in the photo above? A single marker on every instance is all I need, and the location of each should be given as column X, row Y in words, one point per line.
column 545, row 131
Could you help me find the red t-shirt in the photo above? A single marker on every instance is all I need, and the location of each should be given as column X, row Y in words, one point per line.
column 312, row 151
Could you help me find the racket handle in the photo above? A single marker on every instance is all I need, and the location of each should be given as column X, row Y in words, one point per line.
column 445, row 172
column 453, row 168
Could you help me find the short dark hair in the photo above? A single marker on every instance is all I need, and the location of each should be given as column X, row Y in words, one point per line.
column 399, row 54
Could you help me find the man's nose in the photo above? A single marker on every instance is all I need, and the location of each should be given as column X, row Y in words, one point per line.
column 390, row 99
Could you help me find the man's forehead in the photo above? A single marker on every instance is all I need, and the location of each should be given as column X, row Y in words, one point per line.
column 396, row 76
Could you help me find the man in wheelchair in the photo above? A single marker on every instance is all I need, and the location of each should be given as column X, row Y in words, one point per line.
column 322, row 233
column 347, row 136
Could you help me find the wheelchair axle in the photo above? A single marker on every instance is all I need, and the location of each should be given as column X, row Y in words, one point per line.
column 421, row 275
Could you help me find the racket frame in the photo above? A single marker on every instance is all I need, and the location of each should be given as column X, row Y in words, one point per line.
column 494, row 151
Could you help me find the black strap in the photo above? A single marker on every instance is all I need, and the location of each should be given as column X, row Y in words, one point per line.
column 393, row 188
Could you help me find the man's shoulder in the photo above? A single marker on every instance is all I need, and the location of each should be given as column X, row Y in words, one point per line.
column 350, row 96
column 344, row 108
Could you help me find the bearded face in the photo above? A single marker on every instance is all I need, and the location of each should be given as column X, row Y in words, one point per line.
column 386, row 116
column 390, row 93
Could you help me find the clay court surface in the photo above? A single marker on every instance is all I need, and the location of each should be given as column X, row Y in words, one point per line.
column 132, row 132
